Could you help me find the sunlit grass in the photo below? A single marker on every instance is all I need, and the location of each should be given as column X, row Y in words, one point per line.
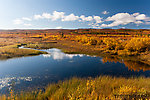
column 14, row 51
column 100, row 88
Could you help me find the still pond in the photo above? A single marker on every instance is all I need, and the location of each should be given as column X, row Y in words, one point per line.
column 25, row 73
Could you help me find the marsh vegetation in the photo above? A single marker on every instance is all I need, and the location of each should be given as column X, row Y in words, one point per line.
column 130, row 47
column 100, row 88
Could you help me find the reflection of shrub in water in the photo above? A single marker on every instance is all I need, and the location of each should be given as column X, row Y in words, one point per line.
column 111, row 59
column 132, row 65
column 136, row 66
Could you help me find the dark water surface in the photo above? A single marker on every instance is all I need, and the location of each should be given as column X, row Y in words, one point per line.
column 37, row 71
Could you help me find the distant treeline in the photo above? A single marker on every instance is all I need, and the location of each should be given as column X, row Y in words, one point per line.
column 81, row 31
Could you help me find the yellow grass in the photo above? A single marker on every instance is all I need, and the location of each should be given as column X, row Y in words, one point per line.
column 13, row 51
column 100, row 88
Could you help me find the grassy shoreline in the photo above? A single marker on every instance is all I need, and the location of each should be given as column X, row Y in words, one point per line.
column 13, row 51
column 100, row 88
column 125, row 47
column 78, row 48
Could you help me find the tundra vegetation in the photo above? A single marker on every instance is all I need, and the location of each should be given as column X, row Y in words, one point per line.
column 100, row 88
column 113, row 45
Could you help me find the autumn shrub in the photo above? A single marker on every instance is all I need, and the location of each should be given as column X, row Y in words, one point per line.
column 138, row 44
column 86, row 40
column 92, row 41
column 82, row 39
column 99, row 41
column 119, row 47
column 39, row 45
column 111, row 43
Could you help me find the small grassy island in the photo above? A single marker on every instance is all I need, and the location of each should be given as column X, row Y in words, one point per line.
column 127, row 46
column 14, row 51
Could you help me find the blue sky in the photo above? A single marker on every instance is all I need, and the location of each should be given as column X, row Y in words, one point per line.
column 41, row 14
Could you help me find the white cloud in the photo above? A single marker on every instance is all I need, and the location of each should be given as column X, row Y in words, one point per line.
column 98, row 19
column 105, row 12
column 135, row 14
column 138, row 22
column 37, row 17
column 125, row 18
column 83, row 18
column 104, row 25
column 119, row 19
column 44, row 15
column 47, row 15
column 57, row 15
column 93, row 21
column 141, row 17
column 26, row 18
column 17, row 21
column 94, row 25
column 27, row 24
column 59, row 27
column 70, row 17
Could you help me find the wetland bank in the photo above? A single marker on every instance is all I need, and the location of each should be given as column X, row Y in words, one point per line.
column 87, row 61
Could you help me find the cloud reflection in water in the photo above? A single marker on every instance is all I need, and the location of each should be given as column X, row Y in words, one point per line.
column 7, row 81
column 56, row 54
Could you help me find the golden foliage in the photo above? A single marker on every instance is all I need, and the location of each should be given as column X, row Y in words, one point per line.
column 138, row 44
column 100, row 88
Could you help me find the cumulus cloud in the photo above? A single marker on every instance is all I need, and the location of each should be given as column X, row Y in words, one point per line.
column 141, row 17
column 120, row 19
column 70, row 17
column 98, row 19
column 105, row 12
column 94, row 25
column 125, row 18
column 121, row 16
column 17, row 21
column 83, row 18
column 37, row 17
column 57, row 15
column 93, row 21
column 46, row 15
column 26, row 18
